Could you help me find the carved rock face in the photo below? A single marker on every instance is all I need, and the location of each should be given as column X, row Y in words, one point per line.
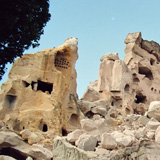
column 40, row 93
column 130, row 85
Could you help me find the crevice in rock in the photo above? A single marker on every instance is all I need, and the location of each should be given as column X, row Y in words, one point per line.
column 26, row 84
column 9, row 151
column 140, row 98
column 64, row 132
column 45, row 128
column 146, row 71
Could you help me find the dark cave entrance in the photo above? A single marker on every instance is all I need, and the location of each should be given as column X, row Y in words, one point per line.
column 45, row 128
column 146, row 71
column 44, row 86
column 140, row 98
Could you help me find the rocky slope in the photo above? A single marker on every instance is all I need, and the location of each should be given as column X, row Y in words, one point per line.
column 118, row 117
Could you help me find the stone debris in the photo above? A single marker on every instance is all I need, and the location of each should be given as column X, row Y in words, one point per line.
column 118, row 117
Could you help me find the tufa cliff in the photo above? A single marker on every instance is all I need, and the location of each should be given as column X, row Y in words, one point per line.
column 118, row 117
column 40, row 94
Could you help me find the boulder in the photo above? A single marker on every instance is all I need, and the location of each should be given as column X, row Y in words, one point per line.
column 123, row 139
column 87, row 143
column 73, row 136
column 108, row 142
column 64, row 150
column 154, row 110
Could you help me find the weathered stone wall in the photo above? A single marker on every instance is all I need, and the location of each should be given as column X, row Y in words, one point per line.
column 40, row 93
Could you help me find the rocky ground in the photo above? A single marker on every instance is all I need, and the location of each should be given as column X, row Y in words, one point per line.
column 100, row 137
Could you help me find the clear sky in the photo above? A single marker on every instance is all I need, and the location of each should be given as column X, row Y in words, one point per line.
column 101, row 27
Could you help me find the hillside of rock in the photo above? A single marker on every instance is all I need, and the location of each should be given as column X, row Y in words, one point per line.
column 118, row 117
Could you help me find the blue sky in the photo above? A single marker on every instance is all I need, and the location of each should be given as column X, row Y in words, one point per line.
column 101, row 27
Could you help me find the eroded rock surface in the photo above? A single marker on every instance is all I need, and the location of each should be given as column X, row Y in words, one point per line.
column 118, row 117
column 40, row 94
column 129, row 86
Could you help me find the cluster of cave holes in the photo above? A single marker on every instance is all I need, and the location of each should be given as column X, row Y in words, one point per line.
column 145, row 71
column 62, row 63
column 140, row 98
column 154, row 90
column 135, row 79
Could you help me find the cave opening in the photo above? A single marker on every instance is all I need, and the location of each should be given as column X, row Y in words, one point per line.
column 140, row 98
column 26, row 84
column 146, row 71
column 152, row 61
column 10, row 100
column 64, row 132
column 90, row 114
column 45, row 128
column 126, row 88
column 44, row 86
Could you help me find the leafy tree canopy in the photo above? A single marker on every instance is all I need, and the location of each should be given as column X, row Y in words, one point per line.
column 22, row 23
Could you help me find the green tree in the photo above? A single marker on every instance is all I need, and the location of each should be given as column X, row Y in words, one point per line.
column 22, row 23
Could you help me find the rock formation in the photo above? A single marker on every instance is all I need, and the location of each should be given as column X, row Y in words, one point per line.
column 129, row 86
column 40, row 94
column 118, row 117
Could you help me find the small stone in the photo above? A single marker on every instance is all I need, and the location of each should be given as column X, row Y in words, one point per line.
column 33, row 138
column 150, row 134
column 101, row 151
column 25, row 134
column 73, row 136
column 152, row 125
